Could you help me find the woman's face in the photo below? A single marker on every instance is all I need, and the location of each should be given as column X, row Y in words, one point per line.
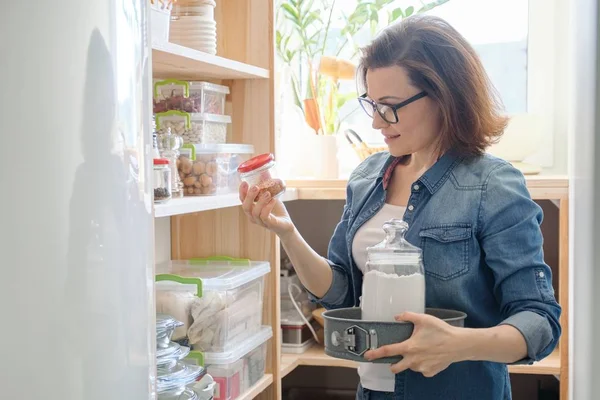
column 418, row 127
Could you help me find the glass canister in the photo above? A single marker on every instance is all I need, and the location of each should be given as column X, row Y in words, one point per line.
column 162, row 180
column 394, row 279
column 169, row 146
column 260, row 171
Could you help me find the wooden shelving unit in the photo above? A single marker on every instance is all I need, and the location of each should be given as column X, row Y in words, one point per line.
column 316, row 357
column 206, row 226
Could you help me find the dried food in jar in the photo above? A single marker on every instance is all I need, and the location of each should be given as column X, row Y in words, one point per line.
column 260, row 171
column 161, row 194
column 275, row 187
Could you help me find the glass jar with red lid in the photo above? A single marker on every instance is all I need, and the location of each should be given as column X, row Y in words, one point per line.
column 260, row 171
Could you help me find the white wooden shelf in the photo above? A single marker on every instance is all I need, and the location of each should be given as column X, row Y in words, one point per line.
column 171, row 60
column 188, row 205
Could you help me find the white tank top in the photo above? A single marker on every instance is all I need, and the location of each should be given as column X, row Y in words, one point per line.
column 376, row 377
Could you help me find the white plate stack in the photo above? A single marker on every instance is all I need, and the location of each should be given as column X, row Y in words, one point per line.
column 193, row 25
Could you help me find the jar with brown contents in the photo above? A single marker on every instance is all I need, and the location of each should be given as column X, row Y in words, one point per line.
column 260, row 171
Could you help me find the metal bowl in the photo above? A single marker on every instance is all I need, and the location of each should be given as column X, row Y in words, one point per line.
column 348, row 336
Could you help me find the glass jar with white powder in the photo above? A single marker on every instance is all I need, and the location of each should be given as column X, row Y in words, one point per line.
column 394, row 280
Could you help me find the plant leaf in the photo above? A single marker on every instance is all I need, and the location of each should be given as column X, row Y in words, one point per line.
column 409, row 11
column 343, row 98
column 431, row 6
column 397, row 13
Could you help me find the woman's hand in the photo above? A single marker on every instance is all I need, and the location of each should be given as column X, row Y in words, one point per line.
column 265, row 211
column 430, row 350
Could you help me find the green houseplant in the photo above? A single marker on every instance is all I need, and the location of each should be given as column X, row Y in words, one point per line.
column 310, row 32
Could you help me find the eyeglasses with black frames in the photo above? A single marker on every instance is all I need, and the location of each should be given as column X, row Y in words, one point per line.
column 388, row 112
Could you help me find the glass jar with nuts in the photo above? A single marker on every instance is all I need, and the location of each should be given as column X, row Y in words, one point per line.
column 260, row 171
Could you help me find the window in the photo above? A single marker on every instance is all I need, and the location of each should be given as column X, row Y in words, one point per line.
column 523, row 47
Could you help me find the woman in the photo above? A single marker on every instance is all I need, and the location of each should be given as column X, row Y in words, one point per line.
column 469, row 212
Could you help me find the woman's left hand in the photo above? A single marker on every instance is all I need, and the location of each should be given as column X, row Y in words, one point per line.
column 432, row 347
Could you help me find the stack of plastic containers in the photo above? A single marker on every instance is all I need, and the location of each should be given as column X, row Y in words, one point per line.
column 224, row 299
column 173, row 375
column 195, row 111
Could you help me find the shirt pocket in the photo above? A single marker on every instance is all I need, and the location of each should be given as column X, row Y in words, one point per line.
column 446, row 250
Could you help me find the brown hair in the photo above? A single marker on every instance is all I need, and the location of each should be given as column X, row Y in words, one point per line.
column 441, row 62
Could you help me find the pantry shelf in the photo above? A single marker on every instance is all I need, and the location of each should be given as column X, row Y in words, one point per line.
column 172, row 60
column 255, row 390
column 541, row 187
column 188, row 205
column 315, row 356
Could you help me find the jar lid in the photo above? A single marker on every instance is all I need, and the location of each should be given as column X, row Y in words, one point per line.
column 256, row 162
column 394, row 249
column 161, row 161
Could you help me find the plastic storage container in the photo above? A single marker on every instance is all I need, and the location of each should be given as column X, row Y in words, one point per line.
column 190, row 97
column 394, row 280
column 297, row 332
column 162, row 180
column 210, row 169
column 195, row 128
column 239, row 368
column 260, row 171
column 160, row 18
column 229, row 300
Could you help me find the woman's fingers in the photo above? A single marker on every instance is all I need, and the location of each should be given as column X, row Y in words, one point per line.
column 243, row 191
column 265, row 214
column 248, row 201
column 258, row 207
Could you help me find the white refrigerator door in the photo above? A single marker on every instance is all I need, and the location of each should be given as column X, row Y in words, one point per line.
column 76, row 225
column 584, row 219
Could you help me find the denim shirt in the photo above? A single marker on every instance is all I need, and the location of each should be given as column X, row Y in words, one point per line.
column 480, row 234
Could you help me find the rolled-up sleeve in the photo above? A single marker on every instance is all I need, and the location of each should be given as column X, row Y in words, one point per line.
column 340, row 292
column 511, row 240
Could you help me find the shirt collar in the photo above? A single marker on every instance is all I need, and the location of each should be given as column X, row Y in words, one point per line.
column 433, row 178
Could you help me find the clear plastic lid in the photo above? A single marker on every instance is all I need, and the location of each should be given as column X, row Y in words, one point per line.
column 240, row 350
column 219, row 274
column 216, row 148
column 223, row 119
column 212, row 87
column 394, row 249
column 188, row 375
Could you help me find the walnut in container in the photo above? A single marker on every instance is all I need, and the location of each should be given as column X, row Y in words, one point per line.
column 260, row 171
column 211, row 169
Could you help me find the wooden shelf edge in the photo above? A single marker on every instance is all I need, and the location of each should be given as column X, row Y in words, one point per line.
column 541, row 187
column 258, row 388
column 170, row 60
column 189, row 205
column 315, row 356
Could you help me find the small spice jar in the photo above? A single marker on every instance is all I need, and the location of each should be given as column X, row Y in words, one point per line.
column 162, row 180
column 260, row 171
